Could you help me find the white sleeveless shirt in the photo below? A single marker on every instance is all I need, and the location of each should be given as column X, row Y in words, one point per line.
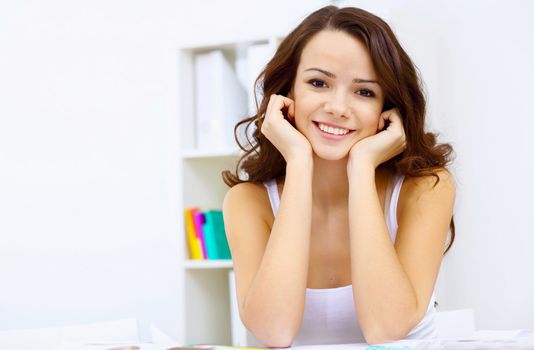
column 329, row 314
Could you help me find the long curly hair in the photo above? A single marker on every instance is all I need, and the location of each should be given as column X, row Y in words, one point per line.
column 397, row 75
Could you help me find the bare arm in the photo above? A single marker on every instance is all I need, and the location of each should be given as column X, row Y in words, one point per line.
column 393, row 283
column 271, row 268
column 271, row 264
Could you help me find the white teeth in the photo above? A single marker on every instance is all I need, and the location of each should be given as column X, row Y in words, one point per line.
column 332, row 130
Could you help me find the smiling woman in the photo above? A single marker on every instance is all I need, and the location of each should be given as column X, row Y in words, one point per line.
column 333, row 99
column 338, row 232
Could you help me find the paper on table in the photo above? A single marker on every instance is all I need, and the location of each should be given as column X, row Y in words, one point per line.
column 399, row 345
column 331, row 347
column 433, row 344
column 127, row 346
column 160, row 341
column 502, row 335
column 50, row 338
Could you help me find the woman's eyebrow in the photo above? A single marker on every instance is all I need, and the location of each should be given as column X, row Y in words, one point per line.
column 333, row 76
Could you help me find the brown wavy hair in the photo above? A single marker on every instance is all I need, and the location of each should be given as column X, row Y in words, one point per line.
column 397, row 75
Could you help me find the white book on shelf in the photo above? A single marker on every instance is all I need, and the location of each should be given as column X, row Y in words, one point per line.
column 257, row 58
column 220, row 101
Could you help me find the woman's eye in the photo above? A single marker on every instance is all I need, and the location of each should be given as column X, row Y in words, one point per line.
column 317, row 83
column 365, row 92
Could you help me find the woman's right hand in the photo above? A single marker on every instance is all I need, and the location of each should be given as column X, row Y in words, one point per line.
column 291, row 143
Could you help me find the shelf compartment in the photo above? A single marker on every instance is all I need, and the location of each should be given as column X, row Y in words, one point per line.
column 207, row 307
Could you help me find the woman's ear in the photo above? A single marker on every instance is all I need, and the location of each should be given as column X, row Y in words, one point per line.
column 290, row 94
column 291, row 111
column 381, row 123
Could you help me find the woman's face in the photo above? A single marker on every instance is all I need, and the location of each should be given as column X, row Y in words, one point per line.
column 337, row 98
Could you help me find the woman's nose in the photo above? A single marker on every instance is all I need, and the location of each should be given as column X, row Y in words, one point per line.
column 337, row 105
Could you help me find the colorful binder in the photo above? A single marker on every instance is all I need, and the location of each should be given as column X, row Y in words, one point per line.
column 198, row 221
column 195, row 248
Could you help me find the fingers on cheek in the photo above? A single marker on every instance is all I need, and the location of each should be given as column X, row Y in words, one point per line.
column 381, row 124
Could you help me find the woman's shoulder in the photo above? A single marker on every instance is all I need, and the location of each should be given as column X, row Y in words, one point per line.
column 251, row 194
column 441, row 177
column 441, row 184
column 246, row 209
column 248, row 188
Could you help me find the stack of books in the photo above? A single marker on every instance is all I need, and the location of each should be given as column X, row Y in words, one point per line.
column 206, row 237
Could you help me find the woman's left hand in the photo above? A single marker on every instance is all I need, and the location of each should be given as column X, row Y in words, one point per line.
column 384, row 145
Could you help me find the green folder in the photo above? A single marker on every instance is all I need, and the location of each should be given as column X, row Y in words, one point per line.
column 215, row 236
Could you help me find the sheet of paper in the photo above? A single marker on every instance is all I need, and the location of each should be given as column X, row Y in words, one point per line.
column 160, row 341
column 51, row 338
column 502, row 335
column 397, row 345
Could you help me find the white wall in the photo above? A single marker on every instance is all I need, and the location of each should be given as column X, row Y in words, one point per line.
column 88, row 150
column 88, row 201
column 476, row 58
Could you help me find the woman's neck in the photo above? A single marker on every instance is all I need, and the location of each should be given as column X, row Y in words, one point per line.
column 330, row 187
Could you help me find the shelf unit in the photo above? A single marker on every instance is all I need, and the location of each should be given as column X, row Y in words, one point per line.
column 210, row 314
column 209, row 264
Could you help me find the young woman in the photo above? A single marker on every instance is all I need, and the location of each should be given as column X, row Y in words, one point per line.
column 338, row 233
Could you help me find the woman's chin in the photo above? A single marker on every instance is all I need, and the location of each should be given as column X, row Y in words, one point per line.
column 332, row 154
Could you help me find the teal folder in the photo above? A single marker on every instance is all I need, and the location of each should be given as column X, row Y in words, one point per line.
column 215, row 236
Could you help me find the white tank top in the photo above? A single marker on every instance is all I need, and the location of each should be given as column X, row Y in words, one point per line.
column 329, row 314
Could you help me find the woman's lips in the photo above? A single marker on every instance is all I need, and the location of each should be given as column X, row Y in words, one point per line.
column 331, row 136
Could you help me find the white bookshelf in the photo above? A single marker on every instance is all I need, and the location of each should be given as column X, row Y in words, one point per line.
column 203, row 154
column 208, row 264
column 208, row 297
